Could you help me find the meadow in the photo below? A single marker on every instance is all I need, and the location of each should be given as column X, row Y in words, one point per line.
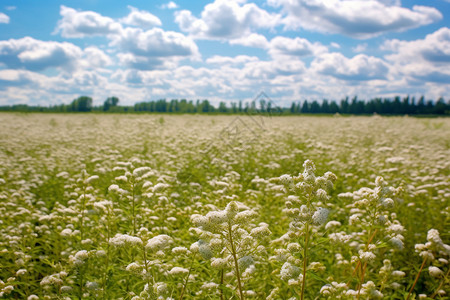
column 104, row 206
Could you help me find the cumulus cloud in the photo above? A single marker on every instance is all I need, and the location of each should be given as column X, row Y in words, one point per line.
column 358, row 68
column 360, row 47
column 80, row 24
column 253, row 40
column 294, row 47
column 169, row 5
column 15, row 78
column 434, row 48
column 4, row 18
column 425, row 59
column 137, row 47
column 224, row 19
column 148, row 49
column 94, row 58
column 36, row 55
column 355, row 18
column 222, row 60
column 140, row 18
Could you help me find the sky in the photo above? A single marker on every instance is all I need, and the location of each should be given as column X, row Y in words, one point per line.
column 52, row 52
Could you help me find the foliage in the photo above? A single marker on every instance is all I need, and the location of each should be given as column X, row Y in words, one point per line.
column 145, row 207
column 406, row 106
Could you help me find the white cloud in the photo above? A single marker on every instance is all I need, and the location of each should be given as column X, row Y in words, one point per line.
column 355, row 18
column 16, row 78
column 294, row 47
column 225, row 19
column 80, row 24
column 149, row 49
column 137, row 48
column 253, row 40
column 360, row 47
column 95, row 58
column 36, row 55
column 170, row 5
column 4, row 18
column 358, row 68
column 426, row 60
column 335, row 45
column 222, row 60
column 140, row 18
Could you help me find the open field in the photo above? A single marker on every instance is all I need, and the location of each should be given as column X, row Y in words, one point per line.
column 223, row 207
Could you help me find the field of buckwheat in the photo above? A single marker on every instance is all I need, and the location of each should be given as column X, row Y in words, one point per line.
column 223, row 207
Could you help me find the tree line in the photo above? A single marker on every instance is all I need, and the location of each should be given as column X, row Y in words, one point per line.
column 383, row 106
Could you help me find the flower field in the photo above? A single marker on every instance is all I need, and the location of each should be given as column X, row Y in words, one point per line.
column 103, row 206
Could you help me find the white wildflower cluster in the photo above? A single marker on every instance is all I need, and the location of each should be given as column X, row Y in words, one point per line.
column 436, row 252
column 334, row 290
column 159, row 290
column 434, row 247
column 54, row 280
column 79, row 258
column 158, row 243
column 310, row 193
column 368, row 290
column 371, row 205
column 132, row 178
column 369, row 209
column 6, row 288
column 305, row 207
column 389, row 276
column 228, row 238
column 125, row 240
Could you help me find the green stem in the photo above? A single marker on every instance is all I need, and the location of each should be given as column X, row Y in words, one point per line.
column 221, row 284
column 417, row 277
column 146, row 265
column 441, row 284
column 305, row 262
column 83, row 208
column 105, row 274
column 236, row 266
column 187, row 277
column 133, row 211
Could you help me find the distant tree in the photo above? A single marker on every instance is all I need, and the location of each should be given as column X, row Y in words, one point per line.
column 334, row 108
column 223, row 107
column 234, row 108
column 325, row 106
column 305, row 107
column 110, row 102
column 344, row 106
column 83, row 104
column 421, row 105
column 440, row 106
column 315, row 107
column 293, row 106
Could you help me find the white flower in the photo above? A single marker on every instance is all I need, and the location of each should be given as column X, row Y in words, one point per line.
column 158, row 242
column 219, row 263
column 435, row 271
column 289, row 271
column 320, row 216
column 178, row 271
column 245, row 261
column 179, row 250
column 332, row 224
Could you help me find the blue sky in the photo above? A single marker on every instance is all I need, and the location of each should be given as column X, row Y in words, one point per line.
column 225, row 50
